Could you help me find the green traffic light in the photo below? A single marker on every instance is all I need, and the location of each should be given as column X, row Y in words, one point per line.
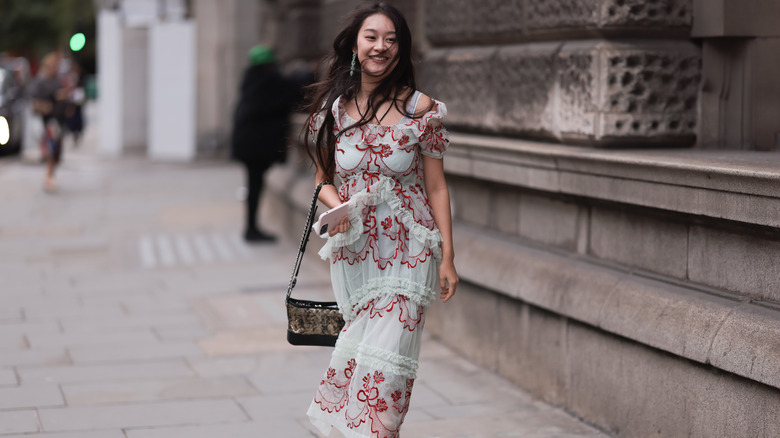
column 77, row 42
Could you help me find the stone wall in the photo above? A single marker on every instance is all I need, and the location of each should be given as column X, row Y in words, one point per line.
column 599, row 73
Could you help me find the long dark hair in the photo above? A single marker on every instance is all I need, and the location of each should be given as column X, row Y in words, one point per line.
column 338, row 82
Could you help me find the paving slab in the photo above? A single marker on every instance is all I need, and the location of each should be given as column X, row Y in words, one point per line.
column 55, row 311
column 21, row 421
column 103, row 323
column 276, row 428
column 181, row 332
column 110, row 372
column 145, row 351
column 140, row 415
column 276, row 405
column 7, row 377
column 33, row 357
column 81, row 434
column 223, row 366
column 31, row 396
column 101, row 393
column 10, row 313
column 27, row 327
column 12, row 341
column 37, row 340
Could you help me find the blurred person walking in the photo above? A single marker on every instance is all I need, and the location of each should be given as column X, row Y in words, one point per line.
column 50, row 100
column 260, row 126
column 74, row 113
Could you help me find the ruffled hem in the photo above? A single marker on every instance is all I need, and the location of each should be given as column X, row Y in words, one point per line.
column 376, row 358
column 381, row 192
column 323, row 421
column 383, row 287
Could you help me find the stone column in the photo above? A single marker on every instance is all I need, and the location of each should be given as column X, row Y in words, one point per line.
column 172, row 91
column 110, row 53
column 740, row 90
column 226, row 31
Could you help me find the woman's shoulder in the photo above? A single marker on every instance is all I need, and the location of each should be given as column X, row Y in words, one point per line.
column 424, row 105
column 424, row 102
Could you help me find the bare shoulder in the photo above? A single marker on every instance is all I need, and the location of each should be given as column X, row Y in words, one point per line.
column 424, row 104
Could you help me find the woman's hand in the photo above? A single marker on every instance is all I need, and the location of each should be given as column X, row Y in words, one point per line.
column 448, row 280
column 342, row 227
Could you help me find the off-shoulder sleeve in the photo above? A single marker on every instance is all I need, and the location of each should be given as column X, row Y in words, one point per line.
column 433, row 136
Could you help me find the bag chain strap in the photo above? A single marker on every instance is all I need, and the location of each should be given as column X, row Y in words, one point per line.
column 305, row 237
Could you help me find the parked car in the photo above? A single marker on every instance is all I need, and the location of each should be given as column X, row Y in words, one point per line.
column 13, row 103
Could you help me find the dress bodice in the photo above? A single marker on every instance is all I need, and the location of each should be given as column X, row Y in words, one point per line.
column 370, row 154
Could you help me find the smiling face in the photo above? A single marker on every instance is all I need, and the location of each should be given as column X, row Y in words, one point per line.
column 377, row 47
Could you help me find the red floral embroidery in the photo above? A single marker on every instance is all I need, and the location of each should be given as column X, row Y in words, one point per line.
column 387, row 223
column 369, row 407
column 409, row 320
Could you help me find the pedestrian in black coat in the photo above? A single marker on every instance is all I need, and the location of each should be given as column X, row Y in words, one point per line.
column 260, row 127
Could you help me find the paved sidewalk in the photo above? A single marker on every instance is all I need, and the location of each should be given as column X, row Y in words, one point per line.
column 130, row 308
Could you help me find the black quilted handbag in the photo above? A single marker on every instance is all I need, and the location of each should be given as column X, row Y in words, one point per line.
column 311, row 322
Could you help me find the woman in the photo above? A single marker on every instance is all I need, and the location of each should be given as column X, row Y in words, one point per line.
column 383, row 141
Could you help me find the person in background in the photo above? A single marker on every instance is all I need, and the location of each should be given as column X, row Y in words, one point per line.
column 74, row 113
column 50, row 101
column 260, row 126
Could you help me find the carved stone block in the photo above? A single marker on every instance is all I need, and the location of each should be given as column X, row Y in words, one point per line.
column 655, row 13
column 448, row 21
column 466, row 87
column 523, row 86
column 551, row 14
column 650, row 91
column 432, row 74
column 546, row 90
column 497, row 19
column 595, row 92
column 577, row 76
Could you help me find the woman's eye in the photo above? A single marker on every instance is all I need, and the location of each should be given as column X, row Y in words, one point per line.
column 391, row 40
column 370, row 38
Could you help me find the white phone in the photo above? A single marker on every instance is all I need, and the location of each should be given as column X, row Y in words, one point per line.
column 331, row 218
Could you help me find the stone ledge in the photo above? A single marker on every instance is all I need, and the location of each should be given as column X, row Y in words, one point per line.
column 737, row 186
column 466, row 21
column 706, row 326
column 740, row 337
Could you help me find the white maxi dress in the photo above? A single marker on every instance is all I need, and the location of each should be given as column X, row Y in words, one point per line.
column 384, row 271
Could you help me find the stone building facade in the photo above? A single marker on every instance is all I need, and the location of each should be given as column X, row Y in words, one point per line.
column 615, row 177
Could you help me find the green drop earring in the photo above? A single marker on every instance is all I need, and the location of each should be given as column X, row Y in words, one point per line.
column 352, row 66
